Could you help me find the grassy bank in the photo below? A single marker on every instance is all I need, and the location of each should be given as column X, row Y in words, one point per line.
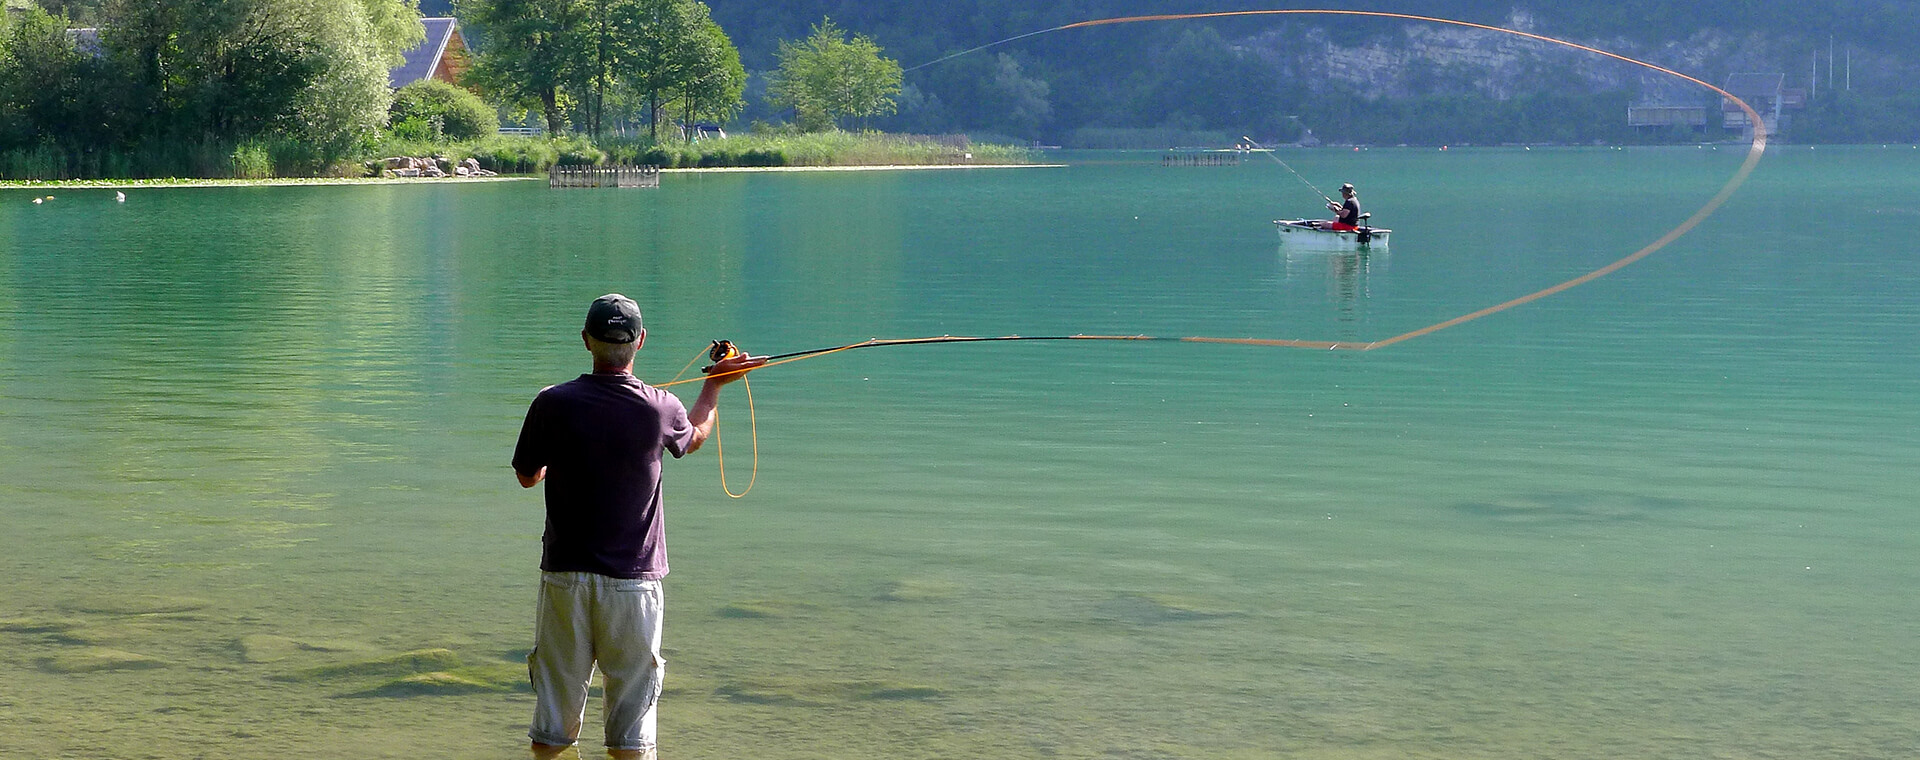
column 522, row 155
column 505, row 154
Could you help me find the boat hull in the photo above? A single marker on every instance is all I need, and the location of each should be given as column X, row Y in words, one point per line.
column 1302, row 234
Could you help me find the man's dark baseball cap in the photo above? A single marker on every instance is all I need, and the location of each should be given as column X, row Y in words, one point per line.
column 614, row 318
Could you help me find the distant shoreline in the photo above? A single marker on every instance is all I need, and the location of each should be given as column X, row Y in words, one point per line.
column 111, row 184
column 161, row 184
column 873, row 168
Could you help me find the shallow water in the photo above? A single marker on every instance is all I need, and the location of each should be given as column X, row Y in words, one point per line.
column 253, row 433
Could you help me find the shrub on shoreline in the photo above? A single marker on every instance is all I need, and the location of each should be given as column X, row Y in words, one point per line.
column 432, row 109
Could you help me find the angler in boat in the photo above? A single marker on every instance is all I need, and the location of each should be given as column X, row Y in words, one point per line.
column 1348, row 209
column 1348, row 232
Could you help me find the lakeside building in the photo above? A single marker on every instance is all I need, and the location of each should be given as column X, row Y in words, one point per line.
column 1649, row 118
column 443, row 56
column 1769, row 96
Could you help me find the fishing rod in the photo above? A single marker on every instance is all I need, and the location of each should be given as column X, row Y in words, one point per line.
column 1276, row 159
column 873, row 342
column 721, row 349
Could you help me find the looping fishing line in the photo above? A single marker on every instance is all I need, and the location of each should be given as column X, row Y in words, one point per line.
column 1758, row 147
column 719, row 448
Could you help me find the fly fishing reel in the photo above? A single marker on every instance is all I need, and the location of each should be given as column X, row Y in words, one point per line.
column 720, row 351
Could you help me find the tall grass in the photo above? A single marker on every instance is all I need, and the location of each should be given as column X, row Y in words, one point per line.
column 824, row 149
column 210, row 159
column 506, row 154
column 509, row 154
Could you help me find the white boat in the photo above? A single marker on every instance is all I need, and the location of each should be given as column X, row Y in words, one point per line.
column 1314, row 235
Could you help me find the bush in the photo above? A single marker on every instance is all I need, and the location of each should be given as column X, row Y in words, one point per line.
column 252, row 161
column 432, row 109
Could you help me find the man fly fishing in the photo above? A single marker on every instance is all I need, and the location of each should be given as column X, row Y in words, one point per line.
column 596, row 441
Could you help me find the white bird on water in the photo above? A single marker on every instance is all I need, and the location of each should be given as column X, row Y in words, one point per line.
column 119, row 196
column 38, row 201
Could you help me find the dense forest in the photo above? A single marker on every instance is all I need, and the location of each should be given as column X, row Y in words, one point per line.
column 1144, row 82
column 1278, row 78
column 1252, row 74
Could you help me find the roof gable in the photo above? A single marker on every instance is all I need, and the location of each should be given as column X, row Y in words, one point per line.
column 424, row 58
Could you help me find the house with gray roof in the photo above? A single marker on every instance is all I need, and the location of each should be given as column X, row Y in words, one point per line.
column 442, row 56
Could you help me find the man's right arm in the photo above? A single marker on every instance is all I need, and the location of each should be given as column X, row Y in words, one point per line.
column 529, row 452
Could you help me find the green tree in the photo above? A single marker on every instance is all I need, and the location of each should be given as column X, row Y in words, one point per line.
column 43, row 80
column 827, row 77
column 715, row 80
column 165, row 75
column 658, row 32
column 527, row 53
column 349, row 45
column 601, row 55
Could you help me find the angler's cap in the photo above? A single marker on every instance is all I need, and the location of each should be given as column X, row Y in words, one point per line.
column 614, row 318
column 1346, row 187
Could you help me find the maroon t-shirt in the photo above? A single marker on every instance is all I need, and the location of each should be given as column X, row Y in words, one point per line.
column 600, row 437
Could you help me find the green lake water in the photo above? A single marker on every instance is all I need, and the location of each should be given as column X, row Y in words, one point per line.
column 255, row 443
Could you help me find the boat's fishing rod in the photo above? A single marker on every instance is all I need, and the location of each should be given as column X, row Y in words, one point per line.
column 1276, row 159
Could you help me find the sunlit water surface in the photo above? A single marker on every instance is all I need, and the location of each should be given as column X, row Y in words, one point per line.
column 255, row 443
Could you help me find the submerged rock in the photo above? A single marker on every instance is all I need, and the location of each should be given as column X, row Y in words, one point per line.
column 39, row 624
column 1568, row 508
column 918, row 590
column 496, row 678
column 398, row 665
column 888, row 690
column 1146, row 609
column 764, row 608
column 111, row 634
column 429, row 684
column 93, row 659
column 265, row 648
column 136, row 605
column 818, row 693
column 765, row 693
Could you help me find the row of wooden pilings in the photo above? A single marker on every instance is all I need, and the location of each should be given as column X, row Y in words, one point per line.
column 603, row 176
column 1201, row 158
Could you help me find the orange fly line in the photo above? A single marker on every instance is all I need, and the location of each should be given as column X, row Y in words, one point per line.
column 1754, row 152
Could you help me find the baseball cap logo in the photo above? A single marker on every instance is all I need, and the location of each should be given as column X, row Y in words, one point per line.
column 615, row 318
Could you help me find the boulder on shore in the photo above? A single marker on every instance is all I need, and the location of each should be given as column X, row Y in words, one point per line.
column 427, row 166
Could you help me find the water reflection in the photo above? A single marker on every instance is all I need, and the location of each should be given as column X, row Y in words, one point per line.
column 260, row 505
column 1349, row 276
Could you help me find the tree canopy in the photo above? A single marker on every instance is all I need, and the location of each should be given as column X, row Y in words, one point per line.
column 1164, row 74
column 827, row 77
column 307, row 74
column 580, row 62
